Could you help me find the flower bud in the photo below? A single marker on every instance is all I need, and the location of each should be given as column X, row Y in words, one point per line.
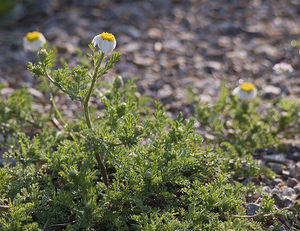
column 118, row 83
column 42, row 54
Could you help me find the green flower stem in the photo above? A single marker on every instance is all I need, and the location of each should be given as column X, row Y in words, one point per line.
column 60, row 116
column 100, row 160
column 245, row 106
column 87, row 98
column 56, row 109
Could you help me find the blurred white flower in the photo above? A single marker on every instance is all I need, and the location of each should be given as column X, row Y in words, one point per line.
column 246, row 91
column 283, row 68
column 34, row 41
column 105, row 41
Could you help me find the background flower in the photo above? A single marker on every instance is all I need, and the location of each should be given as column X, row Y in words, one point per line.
column 283, row 68
column 34, row 41
column 246, row 91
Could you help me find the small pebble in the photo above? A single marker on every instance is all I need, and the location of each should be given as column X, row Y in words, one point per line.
column 276, row 158
column 278, row 200
column 294, row 156
column 297, row 189
column 289, row 192
column 275, row 190
column 287, row 202
column 286, row 172
column 291, row 182
column 277, row 168
column 267, row 190
column 275, row 182
column 252, row 209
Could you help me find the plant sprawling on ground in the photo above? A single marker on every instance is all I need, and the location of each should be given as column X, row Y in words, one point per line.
column 159, row 173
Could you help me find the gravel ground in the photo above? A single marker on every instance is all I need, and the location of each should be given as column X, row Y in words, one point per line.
column 176, row 46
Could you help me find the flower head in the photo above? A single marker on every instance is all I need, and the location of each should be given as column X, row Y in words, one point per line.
column 246, row 91
column 283, row 68
column 105, row 41
column 34, row 41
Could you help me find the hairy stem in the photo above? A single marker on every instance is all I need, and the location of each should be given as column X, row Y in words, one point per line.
column 100, row 160
column 87, row 98
column 60, row 116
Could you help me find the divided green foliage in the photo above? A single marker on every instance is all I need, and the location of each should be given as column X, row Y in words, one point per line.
column 246, row 126
column 288, row 118
column 162, row 174
column 16, row 114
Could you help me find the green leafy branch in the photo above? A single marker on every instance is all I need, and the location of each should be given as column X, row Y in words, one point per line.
column 78, row 83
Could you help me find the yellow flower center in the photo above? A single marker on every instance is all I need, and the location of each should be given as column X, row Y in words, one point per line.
column 107, row 36
column 32, row 36
column 247, row 86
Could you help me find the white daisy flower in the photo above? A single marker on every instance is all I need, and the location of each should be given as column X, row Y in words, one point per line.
column 105, row 41
column 283, row 68
column 34, row 41
column 246, row 91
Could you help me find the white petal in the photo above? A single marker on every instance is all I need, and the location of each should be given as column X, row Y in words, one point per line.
column 112, row 45
column 236, row 91
column 253, row 93
column 105, row 46
column 243, row 95
column 95, row 40
column 42, row 39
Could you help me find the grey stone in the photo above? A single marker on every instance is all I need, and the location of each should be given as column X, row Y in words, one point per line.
column 252, row 209
column 155, row 33
column 276, row 158
column 279, row 201
column 289, row 192
column 164, row 92
column 35, row 93
column 266, row 49
column 297, row 189
column 295, row 172
column 276, row 190
column 130, row 47
column 214, row 65
column 266, row 189
column 275, row 182
column 287, row 202
column 65, row 47
column 285, row 174
column 6, row 91
column 270, row 89
column 143, row 61
column 277, row 168
column 291, row 182
column 133, row 32
column 294, row 156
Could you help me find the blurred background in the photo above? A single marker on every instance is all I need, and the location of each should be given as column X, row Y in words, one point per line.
column 173, row 47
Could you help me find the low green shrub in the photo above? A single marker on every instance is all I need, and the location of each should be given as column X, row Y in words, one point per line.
column 127, row 166
column 245, row 125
